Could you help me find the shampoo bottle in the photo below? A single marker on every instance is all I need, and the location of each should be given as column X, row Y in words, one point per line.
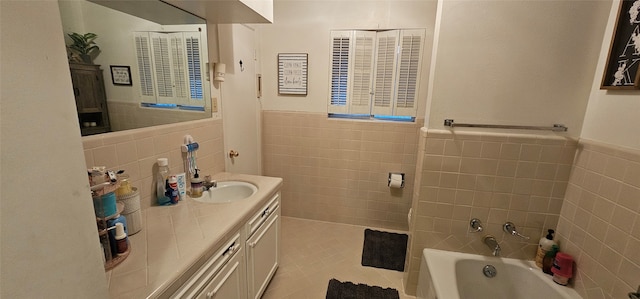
column 549, row 257
column 545, row 245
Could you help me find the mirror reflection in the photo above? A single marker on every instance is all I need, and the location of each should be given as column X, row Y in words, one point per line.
column 132, row 71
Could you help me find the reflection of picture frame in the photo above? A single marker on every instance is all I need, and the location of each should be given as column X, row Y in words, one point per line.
column 121, row 75
column 292, row 73
column 621, row 69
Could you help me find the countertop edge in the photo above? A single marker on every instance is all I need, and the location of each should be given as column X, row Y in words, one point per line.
column 267, row 188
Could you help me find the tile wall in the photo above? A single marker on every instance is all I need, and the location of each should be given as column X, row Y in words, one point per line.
column 493, row 177
column 337, row 170
column 125, row 115
column 137, row 150
column 600, row 223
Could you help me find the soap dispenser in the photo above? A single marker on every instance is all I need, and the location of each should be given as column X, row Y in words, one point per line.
column 545, row 245
column 196, row 185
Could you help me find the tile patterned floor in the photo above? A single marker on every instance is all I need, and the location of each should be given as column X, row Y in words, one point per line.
column 313, row 252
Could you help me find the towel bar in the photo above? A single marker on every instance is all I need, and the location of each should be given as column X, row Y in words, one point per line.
column 555, row 127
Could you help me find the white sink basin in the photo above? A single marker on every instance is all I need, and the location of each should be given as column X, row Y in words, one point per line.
column 228, row 191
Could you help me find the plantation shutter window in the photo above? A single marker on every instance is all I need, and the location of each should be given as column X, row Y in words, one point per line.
column 145, row 70
column 362, row 69
column 194, row 62
column 339, row 74
column 408, row 71
column 170, row 67
column 375, row 72
column 384, row 78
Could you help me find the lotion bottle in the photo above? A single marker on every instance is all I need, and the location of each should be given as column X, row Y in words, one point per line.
column 545, row 245
column 196, row 185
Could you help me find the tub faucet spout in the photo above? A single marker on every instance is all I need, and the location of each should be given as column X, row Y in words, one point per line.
column 491, row 241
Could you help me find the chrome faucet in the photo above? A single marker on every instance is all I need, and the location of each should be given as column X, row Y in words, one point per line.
column 510, row 228
column 493, row 244
column 209, row 183
column 635, row 295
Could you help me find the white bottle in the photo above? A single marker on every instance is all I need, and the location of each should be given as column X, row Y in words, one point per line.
column 544, row 246
column 161, row 182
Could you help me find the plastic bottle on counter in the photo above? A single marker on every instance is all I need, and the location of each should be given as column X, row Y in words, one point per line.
column 172, row 191
column 545, row 245
column 161, row 182
column 196, row 185
column 549, row 257
column 121, row 239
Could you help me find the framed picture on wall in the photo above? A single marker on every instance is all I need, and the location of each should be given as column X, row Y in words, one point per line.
column 292, row 73
column 121, row 75
column 621, row 69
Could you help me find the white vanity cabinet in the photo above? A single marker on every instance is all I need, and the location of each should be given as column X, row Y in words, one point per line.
column 263, row 247
column 222, row 276
column 243, row 266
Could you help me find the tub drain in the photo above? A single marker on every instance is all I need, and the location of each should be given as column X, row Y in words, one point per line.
column 489, row 271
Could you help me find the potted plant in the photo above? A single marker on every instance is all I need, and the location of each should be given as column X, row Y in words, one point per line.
column 83, row 48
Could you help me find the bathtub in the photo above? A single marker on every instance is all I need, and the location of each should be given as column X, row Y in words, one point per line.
column 454, row 275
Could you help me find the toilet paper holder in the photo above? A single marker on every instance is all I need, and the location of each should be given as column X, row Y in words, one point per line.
column 395, row 176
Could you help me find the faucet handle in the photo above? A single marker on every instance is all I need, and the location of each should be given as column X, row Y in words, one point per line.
column 476, row 225
column 510, row 228
column 635, row 295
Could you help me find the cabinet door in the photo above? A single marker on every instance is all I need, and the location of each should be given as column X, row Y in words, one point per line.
column 229, row 282
column 88, row 90
column 262, row 256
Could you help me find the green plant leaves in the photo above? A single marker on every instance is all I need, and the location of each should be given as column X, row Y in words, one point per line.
column 83, row 44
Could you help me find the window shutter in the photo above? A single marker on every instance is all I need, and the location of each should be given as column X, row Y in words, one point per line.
column 361, row 72
column 375, row 72
column 179, row 68
column 385, row 72
column 410, row 63
column 194, row 66
column 162, row 67
column 145, row 69
column 340, row 45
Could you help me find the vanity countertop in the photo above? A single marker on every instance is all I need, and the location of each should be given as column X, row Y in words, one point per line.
column 176, row 239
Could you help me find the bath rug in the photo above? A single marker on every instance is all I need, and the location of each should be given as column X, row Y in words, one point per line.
column 384, row 250
column 349, row 290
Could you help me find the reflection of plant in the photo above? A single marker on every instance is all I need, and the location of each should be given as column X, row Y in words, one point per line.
column 84, row 46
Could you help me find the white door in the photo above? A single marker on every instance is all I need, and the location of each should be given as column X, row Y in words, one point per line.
column 240, row 104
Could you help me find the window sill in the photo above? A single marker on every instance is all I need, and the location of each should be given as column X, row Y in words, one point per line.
column 373, row 118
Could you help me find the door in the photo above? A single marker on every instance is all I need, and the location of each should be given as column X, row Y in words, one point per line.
column 241, row 109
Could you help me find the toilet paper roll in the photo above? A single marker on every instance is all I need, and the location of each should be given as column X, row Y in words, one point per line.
column 396, row 181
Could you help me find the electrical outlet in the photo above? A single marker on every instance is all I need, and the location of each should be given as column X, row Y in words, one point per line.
column 214, row 105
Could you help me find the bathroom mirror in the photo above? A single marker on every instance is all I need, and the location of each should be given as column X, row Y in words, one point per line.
column 153, row 58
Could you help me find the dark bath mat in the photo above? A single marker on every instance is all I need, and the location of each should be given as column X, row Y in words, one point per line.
column 384, row 250
column 349, row 290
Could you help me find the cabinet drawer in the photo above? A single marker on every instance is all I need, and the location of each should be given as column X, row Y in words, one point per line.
column 211, row 267
column 228, row 283
column 262, row 215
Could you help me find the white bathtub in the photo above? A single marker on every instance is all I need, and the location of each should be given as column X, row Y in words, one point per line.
column 454, row 275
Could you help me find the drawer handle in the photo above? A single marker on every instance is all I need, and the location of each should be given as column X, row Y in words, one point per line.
column 232, row 249
column 211, row 294
column 253, row 244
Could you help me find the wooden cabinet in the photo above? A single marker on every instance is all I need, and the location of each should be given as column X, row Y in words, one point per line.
column 91, row 99
column 263, row 247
